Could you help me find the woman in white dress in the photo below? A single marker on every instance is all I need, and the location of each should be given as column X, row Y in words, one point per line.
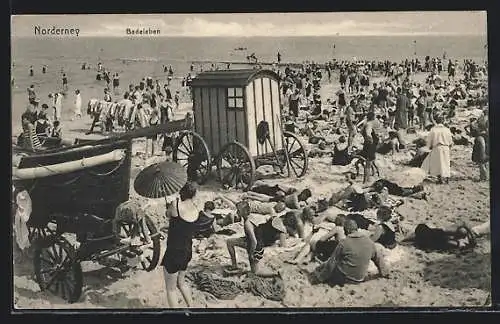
column 58, row 106
column 78, row 104
column 439, row 141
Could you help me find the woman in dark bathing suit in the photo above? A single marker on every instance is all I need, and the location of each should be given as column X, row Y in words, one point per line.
column 182, row 214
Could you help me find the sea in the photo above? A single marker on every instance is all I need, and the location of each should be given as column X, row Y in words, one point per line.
column 136, row 57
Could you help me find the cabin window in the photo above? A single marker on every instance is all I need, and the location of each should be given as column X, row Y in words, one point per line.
column 235, row 97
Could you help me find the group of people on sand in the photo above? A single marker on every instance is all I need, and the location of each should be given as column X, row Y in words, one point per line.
column 42, row 123
column 273, row 217
column 343, row 244
column 384, row 112
column 147, row 103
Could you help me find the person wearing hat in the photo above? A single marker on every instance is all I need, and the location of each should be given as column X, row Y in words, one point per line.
column 257, row 237
column 439, row 141
column 350, row 260
column 182, row 215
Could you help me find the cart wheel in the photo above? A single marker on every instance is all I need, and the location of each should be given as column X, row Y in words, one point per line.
column 236, row 167
column 190, row 145
column 56, row 268
column 150, row 252
column 296, row 153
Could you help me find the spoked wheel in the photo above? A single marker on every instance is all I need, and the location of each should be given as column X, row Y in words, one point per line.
column 149, row 253
column 297, row 156
column 236, row 167
column 56, row 268
column 191, row 149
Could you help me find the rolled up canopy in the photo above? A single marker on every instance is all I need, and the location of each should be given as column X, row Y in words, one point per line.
column 67, row 167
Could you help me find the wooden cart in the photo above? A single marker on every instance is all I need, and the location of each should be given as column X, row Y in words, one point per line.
column 73, row 207
column 238, row 116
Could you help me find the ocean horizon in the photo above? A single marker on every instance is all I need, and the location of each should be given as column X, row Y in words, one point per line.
column 135, row 57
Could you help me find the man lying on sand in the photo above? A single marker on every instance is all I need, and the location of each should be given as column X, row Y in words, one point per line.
column 442, row 239
column 294, row 200
column 359, row 198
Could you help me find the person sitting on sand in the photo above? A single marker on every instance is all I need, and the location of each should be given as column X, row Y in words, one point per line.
column 257, row 237
column 209, row 222
column 384, row 233
column 299, row 221
column 350, row 260
column 56, row 131
column 319, row 242
column 42, row 125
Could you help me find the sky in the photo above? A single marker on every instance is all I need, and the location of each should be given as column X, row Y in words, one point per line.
column 264, row 24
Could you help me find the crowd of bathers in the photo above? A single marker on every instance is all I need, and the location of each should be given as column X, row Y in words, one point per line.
column 337, row 231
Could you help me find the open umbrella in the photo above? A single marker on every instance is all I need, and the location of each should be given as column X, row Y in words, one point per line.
column 160, row 179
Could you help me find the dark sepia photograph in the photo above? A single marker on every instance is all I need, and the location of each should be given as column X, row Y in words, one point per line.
column 250, row 160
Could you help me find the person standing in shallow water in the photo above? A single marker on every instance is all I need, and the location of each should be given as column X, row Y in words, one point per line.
column 78, row 104
column 65, row 82
column 439, row 141
column 182, row 215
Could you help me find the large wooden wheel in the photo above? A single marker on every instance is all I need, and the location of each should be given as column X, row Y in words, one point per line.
column 296, row 153
column 148, row 252
column 56, row 268
column 236, row 167
column 190, row 148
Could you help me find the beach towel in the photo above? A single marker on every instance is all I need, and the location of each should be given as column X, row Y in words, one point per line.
column 269, row 288
column 220, row 288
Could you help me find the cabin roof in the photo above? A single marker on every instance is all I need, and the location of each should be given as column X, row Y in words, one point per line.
column 230, row 78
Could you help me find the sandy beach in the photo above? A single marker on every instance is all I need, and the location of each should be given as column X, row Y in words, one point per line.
column 432, row 63
column 418, row 278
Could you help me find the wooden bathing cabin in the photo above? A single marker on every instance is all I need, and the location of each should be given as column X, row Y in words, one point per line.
column 228, row 105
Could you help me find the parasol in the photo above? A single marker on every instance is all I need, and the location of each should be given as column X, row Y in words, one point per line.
column 407, row 178
column 160, row 179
